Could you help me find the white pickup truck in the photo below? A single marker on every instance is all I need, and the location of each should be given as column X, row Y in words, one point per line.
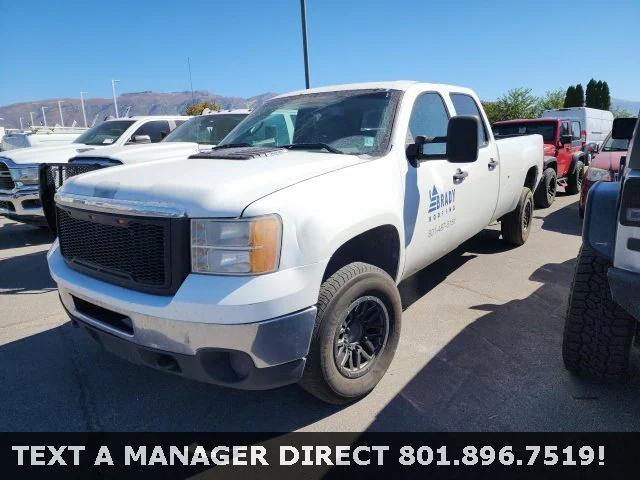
column 19, row 174
column 195, row 135
column 275, row 257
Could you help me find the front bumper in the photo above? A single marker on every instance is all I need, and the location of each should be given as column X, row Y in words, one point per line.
column 251, row 333
column 22, row 203
column 625, row 290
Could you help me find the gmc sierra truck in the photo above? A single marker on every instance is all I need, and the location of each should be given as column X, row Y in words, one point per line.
column 197, row 134
column 275, row 257
column 19, row 169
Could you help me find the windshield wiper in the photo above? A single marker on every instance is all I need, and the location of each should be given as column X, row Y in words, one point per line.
column 232, row 145
column 312, row 146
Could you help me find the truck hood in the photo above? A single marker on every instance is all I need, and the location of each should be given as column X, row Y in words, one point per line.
column 131, row 154
column 608, row 161
column 206, row 187
column 52, row 154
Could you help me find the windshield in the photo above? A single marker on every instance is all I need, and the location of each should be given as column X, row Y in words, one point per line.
column 205, row 130
column 104, row 134
column 352, row 121
column 546, row 129
column 615, row 144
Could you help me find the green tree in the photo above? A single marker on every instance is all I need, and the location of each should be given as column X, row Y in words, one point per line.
column 591, row 97
column 550, row 100
column 605, row 97
column 198, row 108
column 599, row 94
column 579, row 102
column 570, row 96
column 517, row 103
column 621, row 113
column 492, row 111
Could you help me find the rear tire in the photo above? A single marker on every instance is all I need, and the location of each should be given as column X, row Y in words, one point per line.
column 546, row 191
column 574, row 182
column 359, row 310
column 516, row 225
column 597, row 331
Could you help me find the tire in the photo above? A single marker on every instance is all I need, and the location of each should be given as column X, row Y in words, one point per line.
column 546, row 191
column 350, row 293
column 597, row 331
column 574, row 181
column 516, row 225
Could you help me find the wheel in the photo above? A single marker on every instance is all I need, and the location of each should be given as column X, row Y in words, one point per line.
column 597, row 331
column 546, row 191
column 574, row 182
column 355, row 336
column 516, row 225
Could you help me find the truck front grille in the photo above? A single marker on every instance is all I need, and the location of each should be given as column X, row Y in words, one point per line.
column 142, row 253
column 6, row 182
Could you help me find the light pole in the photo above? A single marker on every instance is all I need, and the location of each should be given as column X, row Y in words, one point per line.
column 60, row 111
column 303, row 16
column 21, row 126
column 31, row 114
column 115, row 100
column 44, row 117
column 84, row 114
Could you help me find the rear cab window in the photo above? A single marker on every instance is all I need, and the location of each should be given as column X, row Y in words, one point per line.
column 465, row 105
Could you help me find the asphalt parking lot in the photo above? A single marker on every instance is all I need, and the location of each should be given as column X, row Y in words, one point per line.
column 480, row 350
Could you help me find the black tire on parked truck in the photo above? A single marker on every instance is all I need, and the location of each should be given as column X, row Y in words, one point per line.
column 516, row 225
column 355, row 336
column 546, row 192
column 597, row 331
column 574, row 181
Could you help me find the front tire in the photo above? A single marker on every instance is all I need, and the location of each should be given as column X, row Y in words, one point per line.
column 355, row 336
column 597, row 331
column 574, row 182
column 546, row 192
column 516, row 225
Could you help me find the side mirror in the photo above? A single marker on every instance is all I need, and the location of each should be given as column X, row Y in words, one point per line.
column 565, row 139
column 623, row 128
column 141, row 139
column 462, row 139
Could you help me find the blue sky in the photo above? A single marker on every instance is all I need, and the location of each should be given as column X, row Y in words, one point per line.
column 246, row 47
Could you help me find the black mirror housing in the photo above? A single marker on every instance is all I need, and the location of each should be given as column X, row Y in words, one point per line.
column 462, row 139
column 623, row 128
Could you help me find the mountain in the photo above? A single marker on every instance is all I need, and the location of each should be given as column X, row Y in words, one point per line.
column 141, row 103
column 632, row 107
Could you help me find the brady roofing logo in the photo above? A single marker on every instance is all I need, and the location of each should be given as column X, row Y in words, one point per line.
column 441, row 203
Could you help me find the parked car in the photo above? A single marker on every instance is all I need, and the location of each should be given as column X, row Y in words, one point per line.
column 606, row 164
column 275, row 257
column 19, row 174
column 596, row 124
column 564, row 158
column 197, row 134
column 39, row 137
column 604, row 306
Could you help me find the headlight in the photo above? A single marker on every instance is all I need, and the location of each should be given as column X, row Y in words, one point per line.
column 597, row 174
column 236, row 247
column 27, row 175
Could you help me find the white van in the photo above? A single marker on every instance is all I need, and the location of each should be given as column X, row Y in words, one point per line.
column 596, row 124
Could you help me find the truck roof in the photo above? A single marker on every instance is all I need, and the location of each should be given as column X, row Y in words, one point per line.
column 529, row 120
column 390, row 85
column 237, row 111
column 152, row 117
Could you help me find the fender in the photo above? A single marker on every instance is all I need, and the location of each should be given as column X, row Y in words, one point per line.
column 579, row 156
column 550, row 161
column 600, row 218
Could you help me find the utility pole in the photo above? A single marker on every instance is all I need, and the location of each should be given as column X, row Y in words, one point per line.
column 303, row 15
column 190, row 80
column 31, row 114
column 44, row 117
column 115, row 100
column 84, row 113
column 60, row 111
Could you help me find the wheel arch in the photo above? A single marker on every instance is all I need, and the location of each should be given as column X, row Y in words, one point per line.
column 600, row 218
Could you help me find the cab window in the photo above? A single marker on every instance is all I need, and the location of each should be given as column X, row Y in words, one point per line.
column 575, row 131
column 157, row 130
column 466, row 105
column 430, row 118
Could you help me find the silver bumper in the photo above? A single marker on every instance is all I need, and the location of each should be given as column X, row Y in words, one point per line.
column 21, row 202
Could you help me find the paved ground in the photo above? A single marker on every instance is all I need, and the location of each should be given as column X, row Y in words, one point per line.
column 480, row 350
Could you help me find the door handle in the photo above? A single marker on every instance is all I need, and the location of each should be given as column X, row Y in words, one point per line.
column 492, row 165
column 459, row 176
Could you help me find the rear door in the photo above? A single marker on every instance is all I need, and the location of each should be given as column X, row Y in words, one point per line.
column 478, row 191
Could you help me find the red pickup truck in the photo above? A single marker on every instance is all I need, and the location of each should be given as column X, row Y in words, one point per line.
column 563, row 149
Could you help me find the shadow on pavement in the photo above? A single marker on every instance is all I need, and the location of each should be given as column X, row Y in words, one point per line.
column 504, row 371
column 565, row 220
column 25, row 274
column 16, row 235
